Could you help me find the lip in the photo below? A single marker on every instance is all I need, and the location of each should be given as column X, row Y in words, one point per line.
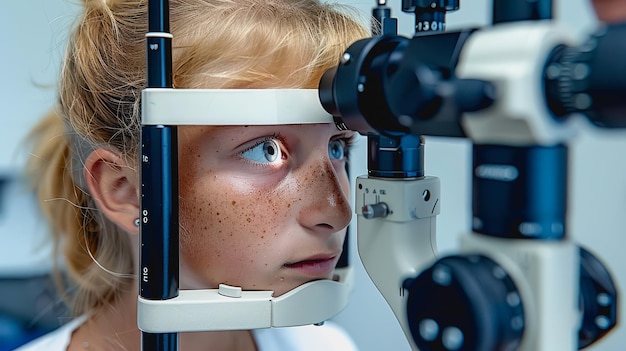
column 319, row 266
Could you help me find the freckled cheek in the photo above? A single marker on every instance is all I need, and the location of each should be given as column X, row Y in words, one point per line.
column 224, row 229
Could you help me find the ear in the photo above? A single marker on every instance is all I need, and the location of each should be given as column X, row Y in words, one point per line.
column 113, row 184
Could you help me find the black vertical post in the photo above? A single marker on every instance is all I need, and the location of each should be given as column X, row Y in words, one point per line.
column 520, row 192
column 159, row 272
column 521, row 10
column 386, row 25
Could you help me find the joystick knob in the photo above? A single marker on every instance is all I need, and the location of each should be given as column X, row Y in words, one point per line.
column 465, row 303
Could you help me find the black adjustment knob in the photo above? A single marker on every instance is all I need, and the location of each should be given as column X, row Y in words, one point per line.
column 598, row 300
column 465, row 303
column 565, row 81
column 589, row 79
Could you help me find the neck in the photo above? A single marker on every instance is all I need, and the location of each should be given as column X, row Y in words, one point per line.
column 114, row 327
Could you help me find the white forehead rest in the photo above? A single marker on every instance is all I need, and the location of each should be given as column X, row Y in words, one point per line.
column 165, row 106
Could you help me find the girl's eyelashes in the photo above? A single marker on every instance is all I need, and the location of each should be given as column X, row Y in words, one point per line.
column 270, row 150
column 340, row 146
column 265, row 151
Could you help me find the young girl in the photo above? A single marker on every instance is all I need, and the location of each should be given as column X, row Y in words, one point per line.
column 261, row 207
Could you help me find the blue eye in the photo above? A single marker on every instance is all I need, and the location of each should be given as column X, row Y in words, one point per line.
column 337, row 150
column 265, row 152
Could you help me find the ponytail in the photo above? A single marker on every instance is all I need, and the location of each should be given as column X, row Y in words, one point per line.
column 75, row 223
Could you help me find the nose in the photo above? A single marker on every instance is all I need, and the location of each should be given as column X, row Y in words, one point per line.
column 326, row 208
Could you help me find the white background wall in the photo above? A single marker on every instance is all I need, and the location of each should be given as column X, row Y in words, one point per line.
column 32, row 38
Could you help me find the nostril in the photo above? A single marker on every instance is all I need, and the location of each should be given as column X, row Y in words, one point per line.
column 325, row 226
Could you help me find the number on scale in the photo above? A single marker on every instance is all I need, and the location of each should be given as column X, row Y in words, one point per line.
column 426, row 26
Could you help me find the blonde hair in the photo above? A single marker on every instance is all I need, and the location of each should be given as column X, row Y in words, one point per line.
column 217, row 44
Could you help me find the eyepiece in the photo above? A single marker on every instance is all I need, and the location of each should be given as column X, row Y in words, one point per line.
column 326, row 91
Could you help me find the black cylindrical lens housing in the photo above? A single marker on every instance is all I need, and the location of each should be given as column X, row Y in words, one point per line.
column 520, row 191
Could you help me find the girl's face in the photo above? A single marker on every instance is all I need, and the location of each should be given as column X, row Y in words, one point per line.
column 262, row 207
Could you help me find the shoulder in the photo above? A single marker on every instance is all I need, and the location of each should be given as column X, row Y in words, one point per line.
column 328, row 337
column 56, row 340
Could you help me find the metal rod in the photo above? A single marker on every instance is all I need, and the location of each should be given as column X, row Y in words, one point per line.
column 159, row 272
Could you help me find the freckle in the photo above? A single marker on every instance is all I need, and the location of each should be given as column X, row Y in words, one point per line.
column 220, row 221
column 249, row 219
column 262, row 236
column 206, row 228
column 289, row 205
column 217, row 213
column 234, row 202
